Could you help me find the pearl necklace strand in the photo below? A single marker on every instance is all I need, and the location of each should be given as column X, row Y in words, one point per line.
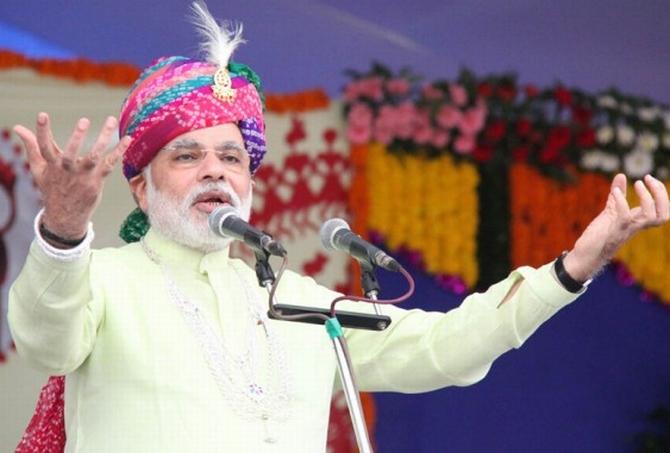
column 236, row 374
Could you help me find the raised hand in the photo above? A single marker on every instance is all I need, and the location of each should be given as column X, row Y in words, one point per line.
column 617, row 223
column 71, row 184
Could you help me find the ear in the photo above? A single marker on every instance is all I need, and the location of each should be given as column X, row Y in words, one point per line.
column 138, row 186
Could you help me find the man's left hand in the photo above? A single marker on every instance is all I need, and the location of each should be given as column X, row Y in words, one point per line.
column 616, row 224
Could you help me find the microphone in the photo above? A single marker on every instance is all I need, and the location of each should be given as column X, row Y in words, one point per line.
column 336, row 235
column 225, row 221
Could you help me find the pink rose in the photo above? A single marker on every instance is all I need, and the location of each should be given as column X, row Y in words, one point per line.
column 372, row 88
column 423, row 132
column 473, row 120
column 458, row 95
column 359, row 127
column 351, row 92
column 440, row 138
column 464, row 144
column 448, row 117
column 385, row 125
column 398, row 87
column 383, row 131
column 431, row 93
column 405, row 117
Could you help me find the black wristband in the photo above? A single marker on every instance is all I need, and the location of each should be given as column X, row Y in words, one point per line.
column 53, row 237
column 566, row 279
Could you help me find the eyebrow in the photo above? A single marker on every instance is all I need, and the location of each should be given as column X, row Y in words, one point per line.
column 190, row 143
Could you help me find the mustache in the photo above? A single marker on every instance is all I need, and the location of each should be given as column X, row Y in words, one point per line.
column 213, row 186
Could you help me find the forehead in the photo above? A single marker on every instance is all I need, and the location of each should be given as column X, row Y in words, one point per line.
column 212, row 136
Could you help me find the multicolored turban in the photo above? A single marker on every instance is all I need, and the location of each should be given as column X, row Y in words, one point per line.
column 176, row 95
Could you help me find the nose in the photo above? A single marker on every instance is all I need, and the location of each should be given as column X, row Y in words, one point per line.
column 211, row 168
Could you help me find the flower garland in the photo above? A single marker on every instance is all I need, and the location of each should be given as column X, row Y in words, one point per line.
column 124, row 74
column 427, row 206
column 539, row 235
column 303, row 101
column 483, row 119
column 81, row 70
column 538, row 152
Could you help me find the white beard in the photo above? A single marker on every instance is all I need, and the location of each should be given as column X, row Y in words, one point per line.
column 175, row 220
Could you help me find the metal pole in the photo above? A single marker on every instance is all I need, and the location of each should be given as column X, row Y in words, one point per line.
column 349, row 385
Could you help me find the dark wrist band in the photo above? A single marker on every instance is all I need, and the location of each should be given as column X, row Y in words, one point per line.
column 53, row 237
column 564, row 278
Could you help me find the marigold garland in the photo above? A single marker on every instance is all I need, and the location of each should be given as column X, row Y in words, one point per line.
column 124, row 74
column 302, row 101
column 80, row 69
column 647, row 256
column 428, row 206
column 539, row 232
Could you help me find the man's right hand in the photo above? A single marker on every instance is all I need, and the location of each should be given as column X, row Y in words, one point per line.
column 71, row 184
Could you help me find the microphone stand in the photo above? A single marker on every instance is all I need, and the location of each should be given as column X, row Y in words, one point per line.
column 266, row 278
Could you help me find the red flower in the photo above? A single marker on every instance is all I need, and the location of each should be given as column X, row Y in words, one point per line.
column 586, row 139
column 523, row 127
column 482, row 153
column 563, row 96
column 496, row 130
column 558, row 138
column 485, row 89
column 581, row 116
column 520, row 153
column 549, row 155
column 506, row 92
column 531, row 91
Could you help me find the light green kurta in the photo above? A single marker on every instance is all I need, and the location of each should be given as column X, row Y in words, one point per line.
column 137, row 380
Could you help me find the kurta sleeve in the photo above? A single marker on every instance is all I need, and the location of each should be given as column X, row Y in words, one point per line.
column 423, row 351
column 52, row 315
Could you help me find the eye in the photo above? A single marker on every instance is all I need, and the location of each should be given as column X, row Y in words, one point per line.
column 186, row 155
column 231, row 158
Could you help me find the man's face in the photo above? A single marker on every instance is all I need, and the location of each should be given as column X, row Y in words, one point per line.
column 190, row 177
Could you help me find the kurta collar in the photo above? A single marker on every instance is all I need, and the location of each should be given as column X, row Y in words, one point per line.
column 183, row 257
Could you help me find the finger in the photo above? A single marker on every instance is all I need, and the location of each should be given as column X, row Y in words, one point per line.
column 75, row 141
column 112, row 158
column 35, row 159
column 104, row 137
column 646, row 201
column 620, row 181
column 660, row 194
column 622, row 208
column 45, row 137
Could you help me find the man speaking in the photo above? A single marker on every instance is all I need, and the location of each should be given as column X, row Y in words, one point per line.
column 165, row 343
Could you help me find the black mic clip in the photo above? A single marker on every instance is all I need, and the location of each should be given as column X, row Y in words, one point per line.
column 264, row 272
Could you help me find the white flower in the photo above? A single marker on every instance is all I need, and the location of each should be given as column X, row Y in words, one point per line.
column 626, row 109
column 647, row 114
column 647, row 141
column 610, row 163
column 605, row 135
column 666, row 118
column 638, row 163
column 596, row 159
column 607, row 102
column 591, row 159
column 625, row 135
column 666, row 140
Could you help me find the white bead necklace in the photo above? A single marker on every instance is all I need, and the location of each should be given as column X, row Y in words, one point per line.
column 236, row 375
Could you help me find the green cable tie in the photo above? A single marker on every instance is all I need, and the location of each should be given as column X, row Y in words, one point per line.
column 334, row 328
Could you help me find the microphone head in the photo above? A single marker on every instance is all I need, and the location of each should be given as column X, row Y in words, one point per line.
column 328, row 230
column 217, row 217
